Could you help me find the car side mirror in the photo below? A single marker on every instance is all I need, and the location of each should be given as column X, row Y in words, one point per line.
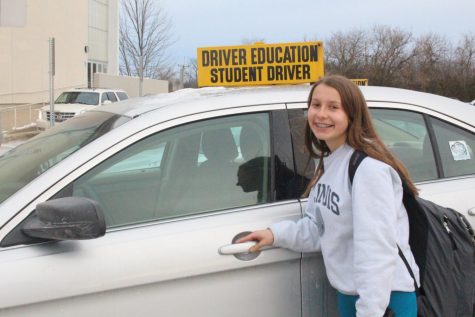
column 106, row 102
column 69, row 218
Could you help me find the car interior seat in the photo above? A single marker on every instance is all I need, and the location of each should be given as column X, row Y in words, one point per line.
column 252, row 174
column 214, row 185
column 220, row 150
column 250, row 143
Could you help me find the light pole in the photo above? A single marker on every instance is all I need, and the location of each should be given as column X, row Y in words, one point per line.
column 140, row 75
column 51, row 81
column 182, row 75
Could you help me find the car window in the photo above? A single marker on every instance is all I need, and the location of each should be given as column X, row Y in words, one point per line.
column 406, row 135
column 456, row 148
column 86, row 98
column 191, row 169
column 404, row 132
column 122, row 95
column 111, row 96
column 28, row 160
column 104, row 97
column 150, row 158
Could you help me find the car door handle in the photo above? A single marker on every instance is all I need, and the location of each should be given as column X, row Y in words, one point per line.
column 236, row 248
column 471, row 211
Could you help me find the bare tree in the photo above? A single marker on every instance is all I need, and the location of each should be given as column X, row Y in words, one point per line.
column 145, row 35
column 427, row 69
column 392, row 57
column 191, row 74
column 345, row 53
column 389, row 53
column 464, row 62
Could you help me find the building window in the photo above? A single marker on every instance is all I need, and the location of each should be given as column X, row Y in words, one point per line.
column 92, row 68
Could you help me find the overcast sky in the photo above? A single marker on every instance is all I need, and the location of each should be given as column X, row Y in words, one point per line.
column 203, row 23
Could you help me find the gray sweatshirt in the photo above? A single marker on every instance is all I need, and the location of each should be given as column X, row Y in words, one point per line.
column 357, row 228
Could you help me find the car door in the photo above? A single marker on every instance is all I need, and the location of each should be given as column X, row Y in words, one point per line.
column 437, row 150
column 174, row 198
column 318, row 296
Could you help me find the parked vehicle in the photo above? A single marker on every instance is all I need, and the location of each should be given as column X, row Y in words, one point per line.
column 171, row 181
column 76, row 101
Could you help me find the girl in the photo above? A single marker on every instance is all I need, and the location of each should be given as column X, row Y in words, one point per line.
column 357, row 227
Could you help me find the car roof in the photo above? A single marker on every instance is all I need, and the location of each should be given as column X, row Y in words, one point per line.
column 99, row 90
column 194, row 100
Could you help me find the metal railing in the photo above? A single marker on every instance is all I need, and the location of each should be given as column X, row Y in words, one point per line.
column 18, row 119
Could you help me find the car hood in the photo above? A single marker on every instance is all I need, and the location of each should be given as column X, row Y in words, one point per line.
column 69, row 107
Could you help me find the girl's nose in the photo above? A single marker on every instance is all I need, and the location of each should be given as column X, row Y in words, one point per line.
column 321, row 112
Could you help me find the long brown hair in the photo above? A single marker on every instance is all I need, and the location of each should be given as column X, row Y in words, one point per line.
column 361, row 134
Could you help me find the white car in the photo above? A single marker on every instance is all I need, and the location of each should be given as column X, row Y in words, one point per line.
column 171, row 181
column 75, row 101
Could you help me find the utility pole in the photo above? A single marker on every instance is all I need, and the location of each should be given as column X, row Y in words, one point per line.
column 1, row 130
column 51, row 81
column 182, row 75
column 141, row 76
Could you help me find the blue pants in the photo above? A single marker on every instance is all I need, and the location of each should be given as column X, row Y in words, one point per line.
column 403, row 304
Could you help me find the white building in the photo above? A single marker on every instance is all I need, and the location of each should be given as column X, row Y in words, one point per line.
column 86, row 41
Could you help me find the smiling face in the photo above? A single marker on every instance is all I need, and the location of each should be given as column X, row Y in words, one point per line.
column 327, row 118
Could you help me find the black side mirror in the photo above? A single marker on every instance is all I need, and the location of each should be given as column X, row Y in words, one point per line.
column 69, row 218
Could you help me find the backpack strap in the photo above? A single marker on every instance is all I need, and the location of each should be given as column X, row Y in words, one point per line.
column 411, row 273
column 356, row 158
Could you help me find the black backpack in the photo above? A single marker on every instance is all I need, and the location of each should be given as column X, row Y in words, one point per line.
column 443, row 244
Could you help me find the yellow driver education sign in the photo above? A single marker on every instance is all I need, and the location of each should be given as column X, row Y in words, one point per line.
column 260, row 64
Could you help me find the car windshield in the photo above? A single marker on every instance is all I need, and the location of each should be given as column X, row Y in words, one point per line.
column 86, row 98
column 27, row 161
